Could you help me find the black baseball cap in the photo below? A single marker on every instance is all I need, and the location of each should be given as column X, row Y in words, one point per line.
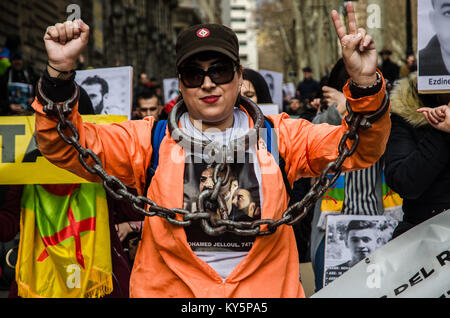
column 207, row 37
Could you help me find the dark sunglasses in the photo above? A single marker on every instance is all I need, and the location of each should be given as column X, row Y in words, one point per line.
column 193, row 77
column 151, row 109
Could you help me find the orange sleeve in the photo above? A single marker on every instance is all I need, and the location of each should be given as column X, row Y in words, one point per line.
column 124, row 149
column 308, row 148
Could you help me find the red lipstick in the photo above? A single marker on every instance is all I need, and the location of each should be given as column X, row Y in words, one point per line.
column 210, row 99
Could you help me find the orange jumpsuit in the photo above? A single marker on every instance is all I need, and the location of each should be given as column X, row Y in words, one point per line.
column 165, row 265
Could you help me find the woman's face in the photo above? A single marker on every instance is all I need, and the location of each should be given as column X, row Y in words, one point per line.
column 248, row 90
column 211, row 103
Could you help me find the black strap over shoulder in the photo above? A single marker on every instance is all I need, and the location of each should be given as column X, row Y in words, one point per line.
column 281, row 163
column 158, row 133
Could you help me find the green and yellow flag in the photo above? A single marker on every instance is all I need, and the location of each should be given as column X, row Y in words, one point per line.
column 333, row 199
column 64, row 246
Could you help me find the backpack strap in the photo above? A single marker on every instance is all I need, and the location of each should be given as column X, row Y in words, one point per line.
column 272, row 143
column 158, row 134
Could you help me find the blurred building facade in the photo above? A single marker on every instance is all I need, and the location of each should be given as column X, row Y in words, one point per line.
column 140, row 33
column 298, row 33
column 239, row 15
column 392, row 31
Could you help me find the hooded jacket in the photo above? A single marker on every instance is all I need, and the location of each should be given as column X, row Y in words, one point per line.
column 417, row 156
column 165, row 265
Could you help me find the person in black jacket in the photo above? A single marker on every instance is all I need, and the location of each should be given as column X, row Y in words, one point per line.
column 417, row 156
column 390, row 70
column 15, row 101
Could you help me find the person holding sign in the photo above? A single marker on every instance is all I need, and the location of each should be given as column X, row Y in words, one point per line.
column 210, row 76
column 16, row 87
column 418, row 152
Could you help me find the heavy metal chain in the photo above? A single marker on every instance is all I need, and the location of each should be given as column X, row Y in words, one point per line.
column 215, row 224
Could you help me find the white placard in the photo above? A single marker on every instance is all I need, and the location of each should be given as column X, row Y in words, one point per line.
column 414, row 265
column 110, row 89
column 170, row 87
column 269, row 109
column 275, row 82
column 289, row 89
column 433, row 47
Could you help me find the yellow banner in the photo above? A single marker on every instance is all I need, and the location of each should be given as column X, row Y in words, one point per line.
column 20, row 160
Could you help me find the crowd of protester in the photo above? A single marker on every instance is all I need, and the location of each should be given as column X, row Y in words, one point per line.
column 415, row 163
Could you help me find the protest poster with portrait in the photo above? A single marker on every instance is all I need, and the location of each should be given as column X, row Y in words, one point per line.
column 274, row 81
column 20, row 94
column 352, row 238
column 415, row 264
column 289, row 90
column 110, row 89
column 170, row 87
column 433, row 46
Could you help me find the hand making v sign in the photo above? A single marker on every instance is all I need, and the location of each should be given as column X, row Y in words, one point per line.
column 358, row 49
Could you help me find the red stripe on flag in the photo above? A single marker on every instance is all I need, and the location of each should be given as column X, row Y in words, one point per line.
column 67, row 232
column 43, row 256
column 76, row 235
column 73, row 230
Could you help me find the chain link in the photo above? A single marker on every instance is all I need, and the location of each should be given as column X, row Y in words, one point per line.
column 209, row 200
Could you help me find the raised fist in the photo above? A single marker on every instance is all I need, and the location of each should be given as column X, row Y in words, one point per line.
column 65, row 42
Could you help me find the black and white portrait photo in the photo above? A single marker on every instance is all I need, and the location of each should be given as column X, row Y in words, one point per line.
column 352, row 238
column 109, row 89
column 170, row 87
column 434, row 45
column 274, row 81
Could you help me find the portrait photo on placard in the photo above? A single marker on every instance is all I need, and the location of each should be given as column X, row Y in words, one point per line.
column 170, row 88
column 20, row 94
column 274, row 81
column 352, row 238
column 434, row 46
column 109, row 89
column 289, row 90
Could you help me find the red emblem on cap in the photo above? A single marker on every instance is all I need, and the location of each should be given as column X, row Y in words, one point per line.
column 203, row 33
